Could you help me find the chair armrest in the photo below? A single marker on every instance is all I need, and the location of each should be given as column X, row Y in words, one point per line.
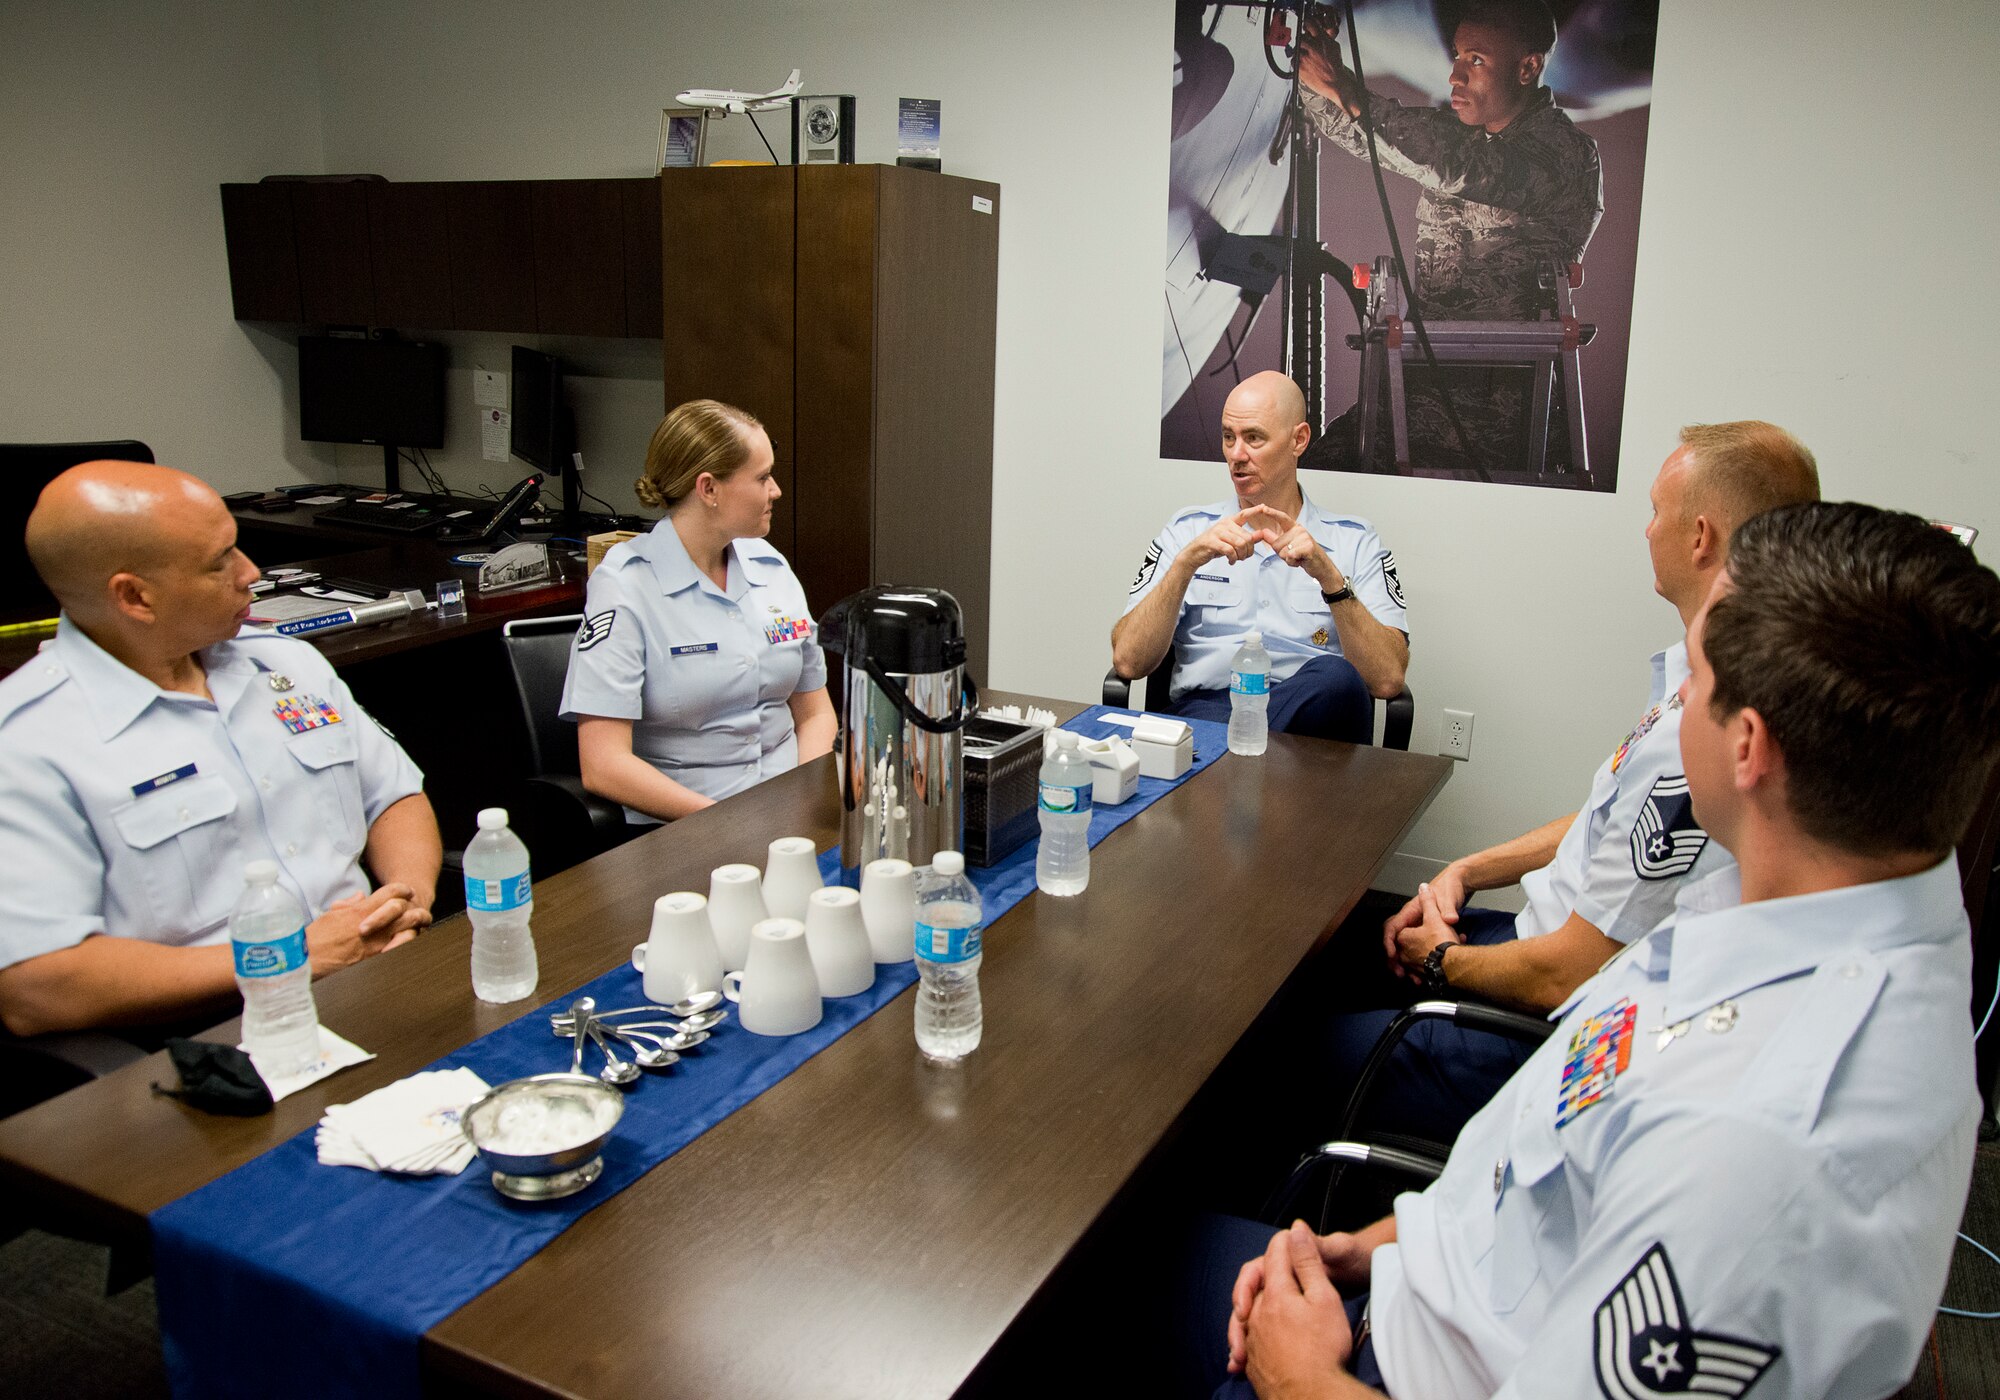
column 604, row 817
column 1421, row 1165
column 1117, row 691
column 38, row 1067
column 1399, row 712
column 1471, row 1014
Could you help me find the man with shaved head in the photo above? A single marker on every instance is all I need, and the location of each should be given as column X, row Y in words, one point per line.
column 1607, row 873
column 1321, row 588
column 148, row 754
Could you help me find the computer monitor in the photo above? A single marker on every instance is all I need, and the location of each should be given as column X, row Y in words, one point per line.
column 388, row 393
column 543, row 433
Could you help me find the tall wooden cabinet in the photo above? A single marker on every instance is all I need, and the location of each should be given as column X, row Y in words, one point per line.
column 852, row 309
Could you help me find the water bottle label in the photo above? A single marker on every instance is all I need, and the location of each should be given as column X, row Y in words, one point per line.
column 273, row 958
column 496, row 896
column 1067, row 801
column 946, row 945
column 1250, row 682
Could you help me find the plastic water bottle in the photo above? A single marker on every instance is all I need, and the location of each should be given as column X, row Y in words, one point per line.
column 1062, row 865
column 948, row 920
column 1250, row 697
column 268, row 934
column 500, row 900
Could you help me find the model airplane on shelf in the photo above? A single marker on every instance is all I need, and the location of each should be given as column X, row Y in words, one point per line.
column 727, row 100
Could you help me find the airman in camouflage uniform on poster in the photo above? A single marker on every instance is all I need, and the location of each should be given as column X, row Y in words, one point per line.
column 1509, row 184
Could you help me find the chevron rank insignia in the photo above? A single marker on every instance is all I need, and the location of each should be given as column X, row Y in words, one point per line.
column 1146, row 567
column 1645, row 1347
column 1392, row 579
column 1665, row 840
column 595, row 629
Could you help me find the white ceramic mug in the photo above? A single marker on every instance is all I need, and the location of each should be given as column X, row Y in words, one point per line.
column 889, row 909
column 791, row 874
column 680, row 958
column 838, row 941
column 777, row 990
column 735, row 906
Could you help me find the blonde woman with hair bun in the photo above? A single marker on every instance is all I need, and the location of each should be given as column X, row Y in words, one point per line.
column 697, row 672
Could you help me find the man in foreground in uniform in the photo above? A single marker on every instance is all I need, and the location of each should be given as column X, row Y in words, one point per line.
column 148, row 754
column 1324, row 592
column 1598, row 878
column 1738, row 1164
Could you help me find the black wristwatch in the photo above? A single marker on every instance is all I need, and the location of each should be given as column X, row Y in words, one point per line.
column 1433, row 969
column 1331, row 598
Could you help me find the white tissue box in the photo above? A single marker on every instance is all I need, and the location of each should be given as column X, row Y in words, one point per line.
column 1165, row 746
column 1114, row 769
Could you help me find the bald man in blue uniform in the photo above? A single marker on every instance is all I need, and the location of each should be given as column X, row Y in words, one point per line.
column 1321, row 588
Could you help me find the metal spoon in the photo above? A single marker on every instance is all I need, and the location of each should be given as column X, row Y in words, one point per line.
column 579, row 1014
column 691, row 1006
column 650, row 1051
column 615, row 1071
column 679, row 1037
column 671, row 1042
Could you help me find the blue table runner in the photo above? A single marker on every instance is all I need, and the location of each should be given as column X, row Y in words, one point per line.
column 284, row 1277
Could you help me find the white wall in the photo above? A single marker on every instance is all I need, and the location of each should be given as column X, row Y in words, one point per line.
column 1815, row 250
column 117, row 123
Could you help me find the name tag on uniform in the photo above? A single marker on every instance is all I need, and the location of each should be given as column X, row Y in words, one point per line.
column 1211, row 578
column 695, row 650
column 155, row 784
column 300, row 713
column 788, row 629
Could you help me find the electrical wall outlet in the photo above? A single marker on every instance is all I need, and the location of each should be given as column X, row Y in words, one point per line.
column 1455, row 738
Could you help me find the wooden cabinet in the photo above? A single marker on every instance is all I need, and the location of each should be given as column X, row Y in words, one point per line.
column 263, row 252
column 409, row 244
column 852, row 309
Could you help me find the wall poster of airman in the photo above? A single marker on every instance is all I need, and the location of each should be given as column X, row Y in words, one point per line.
column 1510, row 137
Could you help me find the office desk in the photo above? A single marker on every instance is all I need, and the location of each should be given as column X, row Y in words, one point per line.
column 871, row 1225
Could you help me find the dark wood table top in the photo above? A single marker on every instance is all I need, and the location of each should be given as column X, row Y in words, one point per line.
column 872, row 1224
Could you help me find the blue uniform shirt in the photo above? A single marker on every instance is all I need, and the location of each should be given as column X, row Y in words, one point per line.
column 1739, row 1162
column 131, row 811
column 1226, row 600
column 1634, row 841
column 705, row 674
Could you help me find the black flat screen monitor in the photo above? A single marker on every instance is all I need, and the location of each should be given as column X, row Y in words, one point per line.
column 386, row 392
column 537, row 433
column 543, row 433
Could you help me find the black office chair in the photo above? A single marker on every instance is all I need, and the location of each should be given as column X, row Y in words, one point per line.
column 561, row 821
column 26, row 467
column 1398, row 712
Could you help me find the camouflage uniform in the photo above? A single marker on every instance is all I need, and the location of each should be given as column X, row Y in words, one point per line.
column 1495, row 207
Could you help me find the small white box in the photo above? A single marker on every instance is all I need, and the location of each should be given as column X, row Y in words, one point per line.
column 1114, row 770
column 1165, row 760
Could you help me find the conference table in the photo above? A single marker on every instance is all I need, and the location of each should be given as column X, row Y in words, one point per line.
column 871, row 1225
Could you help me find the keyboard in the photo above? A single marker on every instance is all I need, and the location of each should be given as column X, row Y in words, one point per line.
column 395, row 519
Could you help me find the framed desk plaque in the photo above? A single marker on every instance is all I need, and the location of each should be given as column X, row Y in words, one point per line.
column 683, row 137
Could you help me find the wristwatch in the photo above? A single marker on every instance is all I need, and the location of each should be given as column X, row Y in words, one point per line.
column 1345, row 593
column 1433, row 969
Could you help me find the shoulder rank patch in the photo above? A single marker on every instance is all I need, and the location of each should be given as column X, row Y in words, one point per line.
column 1665, row 840
column 1645, row 1347
column 1392, row 579
column 595, row 629
column 1146, row 567
column 1599, row 1051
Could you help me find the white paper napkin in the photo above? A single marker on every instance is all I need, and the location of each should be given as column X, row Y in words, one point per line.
column 411, row 1126
column 335, row 1054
